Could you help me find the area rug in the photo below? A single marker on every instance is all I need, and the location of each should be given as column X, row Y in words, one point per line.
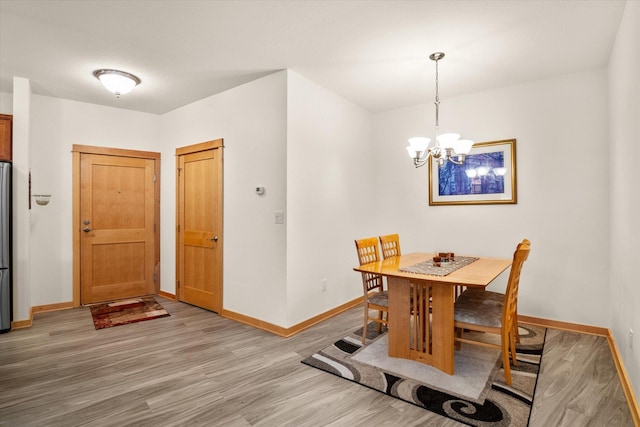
column 476, row 395
column 126, row 311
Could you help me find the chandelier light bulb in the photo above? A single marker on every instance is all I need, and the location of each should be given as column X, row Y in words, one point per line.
column 448, row 140
column 117, row 82
column 417, row 146
column 463, row 146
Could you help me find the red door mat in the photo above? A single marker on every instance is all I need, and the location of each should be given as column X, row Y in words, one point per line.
column 126, row 311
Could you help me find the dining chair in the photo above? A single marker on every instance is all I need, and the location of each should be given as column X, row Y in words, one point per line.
column 375, row 297
column 491, row 312
column 491, row 297
column 390, row 245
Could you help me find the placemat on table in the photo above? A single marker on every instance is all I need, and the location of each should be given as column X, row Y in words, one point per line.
column 427, row 267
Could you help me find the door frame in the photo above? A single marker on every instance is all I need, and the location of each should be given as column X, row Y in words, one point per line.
column 190, row 149
column 77, row 151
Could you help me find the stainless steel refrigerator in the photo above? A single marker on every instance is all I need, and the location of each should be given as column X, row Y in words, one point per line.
column 6, row 292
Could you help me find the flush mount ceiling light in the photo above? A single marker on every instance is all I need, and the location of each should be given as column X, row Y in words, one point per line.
column 447, row 146
column 118, row 82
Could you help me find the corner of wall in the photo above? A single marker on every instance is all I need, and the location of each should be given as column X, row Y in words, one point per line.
column 21, row 215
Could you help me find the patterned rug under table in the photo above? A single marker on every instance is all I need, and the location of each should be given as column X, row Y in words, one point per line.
column 476, row 395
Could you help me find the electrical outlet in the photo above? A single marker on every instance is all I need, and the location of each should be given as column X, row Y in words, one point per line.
column 324, row 285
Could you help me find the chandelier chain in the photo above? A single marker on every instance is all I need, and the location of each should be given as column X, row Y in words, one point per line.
column 437, row 98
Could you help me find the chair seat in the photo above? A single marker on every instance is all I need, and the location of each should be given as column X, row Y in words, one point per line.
column 482, row 296
column 478, row 310
column 379, row 298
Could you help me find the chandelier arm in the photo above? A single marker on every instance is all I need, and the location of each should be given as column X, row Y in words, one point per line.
column 421, row 161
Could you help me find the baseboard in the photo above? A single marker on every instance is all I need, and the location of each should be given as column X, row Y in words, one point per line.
column 617, row 360
column 289, row 332
column 167, row 295
column 40, row 309
column 18, row 324
column 52, row 307
column 566, row 326
column 256, row 323
column 624, row 380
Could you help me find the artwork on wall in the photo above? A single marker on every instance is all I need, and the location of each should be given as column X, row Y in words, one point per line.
column 488, row 176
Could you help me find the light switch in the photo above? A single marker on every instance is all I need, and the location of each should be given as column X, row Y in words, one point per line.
column 279, row 217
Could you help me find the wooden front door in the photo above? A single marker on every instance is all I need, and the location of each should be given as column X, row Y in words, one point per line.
column 117, row 222
column 199, row 247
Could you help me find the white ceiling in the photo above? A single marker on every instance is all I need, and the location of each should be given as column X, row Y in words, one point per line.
column 374, row 53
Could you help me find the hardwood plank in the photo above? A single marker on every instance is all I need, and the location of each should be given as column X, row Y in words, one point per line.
column 197, row 368
column 578, row 384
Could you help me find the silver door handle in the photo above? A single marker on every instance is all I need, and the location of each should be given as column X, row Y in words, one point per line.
column 213, row 239
column 86, row 229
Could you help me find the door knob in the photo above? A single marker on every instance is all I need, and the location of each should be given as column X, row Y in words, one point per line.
column 213, row 239
column 86, row 229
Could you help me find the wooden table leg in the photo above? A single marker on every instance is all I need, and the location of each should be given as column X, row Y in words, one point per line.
column 399, row 317
column 443, row 327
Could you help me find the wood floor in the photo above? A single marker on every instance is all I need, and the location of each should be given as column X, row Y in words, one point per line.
column 195, row 368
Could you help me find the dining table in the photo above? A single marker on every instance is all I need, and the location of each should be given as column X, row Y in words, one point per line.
column 421, row 302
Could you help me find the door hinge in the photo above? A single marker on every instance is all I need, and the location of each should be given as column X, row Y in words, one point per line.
column 154, row 177
column 179, row 170
column 178, row 228
column 178, row 284
column 155, row 278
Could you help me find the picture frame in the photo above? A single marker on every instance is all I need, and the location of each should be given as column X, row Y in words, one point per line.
column 488, row 176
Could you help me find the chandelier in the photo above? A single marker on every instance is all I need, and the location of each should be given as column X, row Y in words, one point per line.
column 448, row 146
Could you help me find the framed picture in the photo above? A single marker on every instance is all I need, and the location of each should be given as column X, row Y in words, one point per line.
column 488, row 176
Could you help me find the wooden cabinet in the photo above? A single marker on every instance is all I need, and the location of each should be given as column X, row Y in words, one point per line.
column 6, row 132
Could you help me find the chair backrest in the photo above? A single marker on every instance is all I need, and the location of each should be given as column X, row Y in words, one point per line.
column 367, row 253
column 367, row 250
column 509, row 311
column 390, row 245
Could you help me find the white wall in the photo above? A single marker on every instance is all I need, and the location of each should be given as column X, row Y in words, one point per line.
column 624, row 117
column 331, row 187
column 6, row 103
column 560, row 125
column 58, row 124
column 252, row 120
